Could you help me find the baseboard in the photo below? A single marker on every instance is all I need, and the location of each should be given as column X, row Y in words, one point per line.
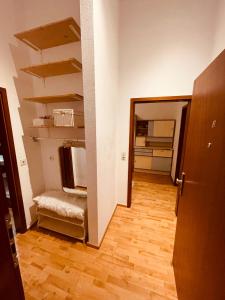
column 97, row 247
column 122, row 205
column 107, row 226
column 93, row 246
column 32, row 224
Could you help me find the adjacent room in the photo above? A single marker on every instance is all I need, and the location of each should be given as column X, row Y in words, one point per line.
column 157, row 133
column 158, row 143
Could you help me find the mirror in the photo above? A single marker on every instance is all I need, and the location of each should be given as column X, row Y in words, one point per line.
column 73, row 167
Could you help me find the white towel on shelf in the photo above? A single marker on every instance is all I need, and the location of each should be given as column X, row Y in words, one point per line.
column 79, row 166
column 80, row 193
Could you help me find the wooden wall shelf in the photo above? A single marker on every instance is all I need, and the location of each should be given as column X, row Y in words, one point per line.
column 69, row 66
column 51, row 35
column 55, row 98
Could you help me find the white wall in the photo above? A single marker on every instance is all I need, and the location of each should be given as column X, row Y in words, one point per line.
column 87, row 33
column 160, row 111
column 106, row 21
column 164, row 45
column 219, row 34
column 101, row 51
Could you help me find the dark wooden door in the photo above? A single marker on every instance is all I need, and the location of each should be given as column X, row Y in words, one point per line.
column 181, row 144
column 10, row 280
column 199, row 253
column 181, row 147
column 9, row 168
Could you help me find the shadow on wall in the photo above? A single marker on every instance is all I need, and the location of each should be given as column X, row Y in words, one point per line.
column 27, row 111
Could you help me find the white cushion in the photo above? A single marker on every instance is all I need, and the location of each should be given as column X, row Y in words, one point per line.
column 64, row 204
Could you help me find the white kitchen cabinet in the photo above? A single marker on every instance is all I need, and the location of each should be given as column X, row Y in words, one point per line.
column 164, row 128
column 153, row 148
column 142, row 162
column 140, row 141
column 161, row 164
column 163, row 153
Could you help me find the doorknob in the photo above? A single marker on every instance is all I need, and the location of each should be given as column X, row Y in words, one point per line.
column 180, row 182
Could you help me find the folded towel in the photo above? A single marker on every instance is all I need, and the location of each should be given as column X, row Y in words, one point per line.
column 77, row 192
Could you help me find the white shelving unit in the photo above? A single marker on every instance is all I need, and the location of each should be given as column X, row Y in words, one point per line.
column 44, row 37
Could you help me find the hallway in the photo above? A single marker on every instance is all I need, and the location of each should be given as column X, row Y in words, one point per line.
column 134, row 261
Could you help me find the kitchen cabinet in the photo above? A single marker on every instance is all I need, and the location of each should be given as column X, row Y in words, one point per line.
column 161, row 164
column 153, row 149
column 140, row 141
column 163, row 128
column 142, row 162
column 162, row 153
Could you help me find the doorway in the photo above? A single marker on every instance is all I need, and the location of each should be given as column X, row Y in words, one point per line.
column 153, row 136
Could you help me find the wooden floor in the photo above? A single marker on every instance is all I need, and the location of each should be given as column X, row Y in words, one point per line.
column 134, row 261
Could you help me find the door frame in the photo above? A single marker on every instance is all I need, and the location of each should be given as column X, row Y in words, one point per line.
column 182, row 139
column 133, row 101
column 11, row 287
column 11, row 164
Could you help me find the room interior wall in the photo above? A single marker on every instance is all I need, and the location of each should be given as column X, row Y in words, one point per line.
column 219, row 33
column 161, row 111
column 164, row 46
column 99, row 19
column 87, row 33
column 106, row 22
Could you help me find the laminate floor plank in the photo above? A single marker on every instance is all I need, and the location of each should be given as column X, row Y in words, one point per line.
column 133, row 263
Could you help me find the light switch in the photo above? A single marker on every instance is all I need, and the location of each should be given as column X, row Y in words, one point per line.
column 123, row 156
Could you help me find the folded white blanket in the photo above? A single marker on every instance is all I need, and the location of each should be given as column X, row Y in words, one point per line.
column 64, row 204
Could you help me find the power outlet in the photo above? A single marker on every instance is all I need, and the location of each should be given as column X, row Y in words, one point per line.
column 23, row 162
